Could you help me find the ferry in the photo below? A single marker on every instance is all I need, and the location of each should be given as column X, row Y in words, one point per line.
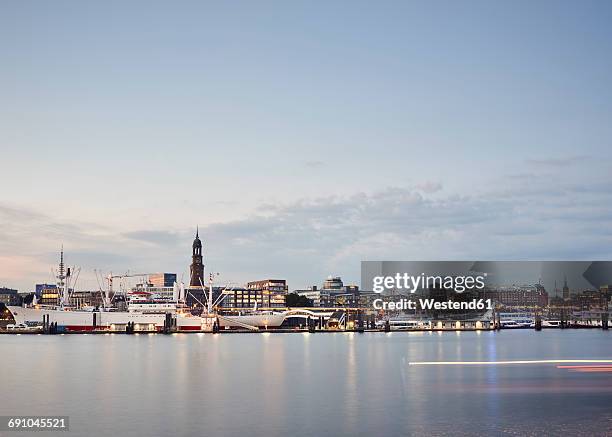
column 517, row 320
column 406, row 324
column 517, row 324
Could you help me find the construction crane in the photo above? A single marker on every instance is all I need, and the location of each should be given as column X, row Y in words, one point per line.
column 111, row 277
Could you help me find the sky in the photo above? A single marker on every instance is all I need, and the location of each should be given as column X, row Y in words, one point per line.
column 301, row 137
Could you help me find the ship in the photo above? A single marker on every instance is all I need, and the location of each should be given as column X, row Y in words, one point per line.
column 69, row 320
column 142, row 309
column 144, row 312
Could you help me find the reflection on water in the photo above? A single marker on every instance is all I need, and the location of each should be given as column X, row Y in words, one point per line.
column 310, row 384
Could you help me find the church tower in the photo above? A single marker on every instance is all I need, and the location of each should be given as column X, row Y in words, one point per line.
column 566, row 290
column 197, row 266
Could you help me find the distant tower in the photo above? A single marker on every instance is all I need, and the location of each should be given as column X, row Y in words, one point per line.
column 61, row 272
column 566, row 291
column 197, row 266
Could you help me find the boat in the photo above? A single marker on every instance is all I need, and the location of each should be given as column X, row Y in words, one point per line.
column 154, row 318
column 69, row 320
column 405, row 324
column 517, row 324
column 265, row 320
column 253, row 319
column 517, row 320
column 146, row 312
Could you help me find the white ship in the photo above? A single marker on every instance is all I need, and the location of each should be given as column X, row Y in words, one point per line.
column 517, row 320
column 406, row 323
column 256, row 320
column 84, row 321
column 146, row 310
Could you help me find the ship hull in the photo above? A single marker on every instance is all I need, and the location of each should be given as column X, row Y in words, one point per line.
column 263, row 321
column 84, row 321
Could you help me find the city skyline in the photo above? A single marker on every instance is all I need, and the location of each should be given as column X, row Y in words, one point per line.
column 301, row 140
column 517, row 274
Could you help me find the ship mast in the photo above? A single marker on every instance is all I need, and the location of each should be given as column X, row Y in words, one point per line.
column 210, row 293
column 66, row 280
column 62, row 280
column 209, row 300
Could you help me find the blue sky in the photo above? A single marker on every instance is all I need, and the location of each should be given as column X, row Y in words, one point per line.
column 302, row 137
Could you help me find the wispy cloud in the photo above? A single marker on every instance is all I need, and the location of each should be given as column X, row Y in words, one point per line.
column 157, row 238
column 559, row 162
column 314, row 164
column 30, row 242
column 429, row 187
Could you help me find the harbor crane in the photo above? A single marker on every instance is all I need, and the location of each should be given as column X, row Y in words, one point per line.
column 111, row 277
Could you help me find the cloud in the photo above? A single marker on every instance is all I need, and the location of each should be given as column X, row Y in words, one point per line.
column 314, row 164
column 30, row 242
column 310, row 238
column 157, row 238
column 314, row 237
column 24, row 229
column 429, row 187
column 558, row 162
column 17, row 267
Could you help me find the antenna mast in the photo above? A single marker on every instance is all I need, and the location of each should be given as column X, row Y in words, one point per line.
column 62, row 277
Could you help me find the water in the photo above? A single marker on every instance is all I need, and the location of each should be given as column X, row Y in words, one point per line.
column 309, row 384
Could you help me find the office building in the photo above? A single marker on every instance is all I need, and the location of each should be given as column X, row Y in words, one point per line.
column 40, row 287
column 272, row 291
column 8, row 296
column 49, row 296
column 162, row 279
column 334, row 294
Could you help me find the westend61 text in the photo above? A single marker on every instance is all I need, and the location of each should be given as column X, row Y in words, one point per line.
column 431, row 304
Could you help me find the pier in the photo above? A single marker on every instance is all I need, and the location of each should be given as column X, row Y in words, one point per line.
column 288, row 320
column 312, row 325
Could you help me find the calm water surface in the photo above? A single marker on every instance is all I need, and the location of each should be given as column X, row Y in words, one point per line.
column 309, row 384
